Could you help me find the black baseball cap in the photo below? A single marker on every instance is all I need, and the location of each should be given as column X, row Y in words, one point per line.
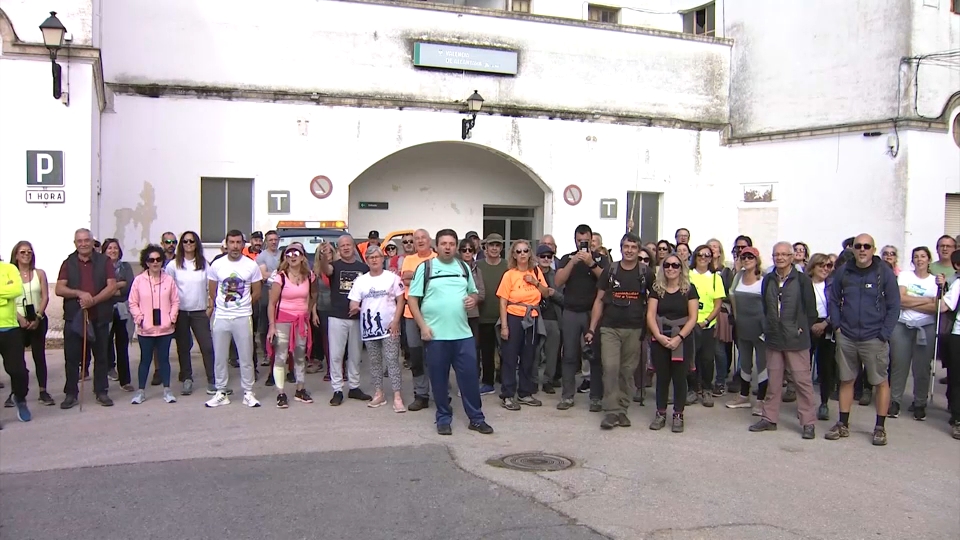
column 472, row 234
column 256, row 234
column 373, row 235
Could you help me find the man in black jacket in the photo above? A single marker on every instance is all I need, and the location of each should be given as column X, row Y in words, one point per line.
column 789, row 307
column 86, row 283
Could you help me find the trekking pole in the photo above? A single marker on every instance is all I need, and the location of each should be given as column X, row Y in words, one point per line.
column 83, row 356
column 936, row 348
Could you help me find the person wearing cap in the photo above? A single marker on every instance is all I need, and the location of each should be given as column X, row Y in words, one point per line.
column 373, row 239
column 474, row 238
column 748, row 321
column 255, row 247
column 492, row 267
column 269, row 261
column 550, row 316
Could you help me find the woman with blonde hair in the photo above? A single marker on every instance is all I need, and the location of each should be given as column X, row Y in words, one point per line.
column 724, row 335
column 520, row 292
column 32, row 309
column 822, row 346
column 889, row 255
column 747, row 305
column 671, row 316
column 291, row 310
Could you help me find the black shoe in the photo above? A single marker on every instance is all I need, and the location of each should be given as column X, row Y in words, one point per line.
column 595, row 405
column 291, row 379
column 920, row 413
column 337, row 399
column 823, row 413
column 46, row 399
column 270, row 380
column 419, row 403
column 548, row 389
column 444, row 429
column 282, row 401
column 155, row 381
column 234, row 362
column 866, row 398
column 104, row 399
column 356, row 393
column 809, row 432
column 8, row 404
column 763, row 425
column 894, row 410
column 624, row 421
column 68, row 402
column 911, row 407
column 609, row 421
column 481, row 427
column 584, row 387
column 718, row 390
column 302, row 396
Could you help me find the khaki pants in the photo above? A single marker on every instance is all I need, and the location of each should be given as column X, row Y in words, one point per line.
column 620, row 355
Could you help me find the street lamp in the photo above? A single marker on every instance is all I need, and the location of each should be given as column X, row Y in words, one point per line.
column 53, row 31
column 474, row 103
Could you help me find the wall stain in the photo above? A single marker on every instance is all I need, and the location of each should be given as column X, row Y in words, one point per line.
column 395, row 188
column 358, row 130
column 515, row 142
column 400, row 135
column 453, row 206
column 424, row 189
column 142, row 216
column 697, row 157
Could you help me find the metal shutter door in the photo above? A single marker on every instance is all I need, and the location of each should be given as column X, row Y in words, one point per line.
column 951, row 222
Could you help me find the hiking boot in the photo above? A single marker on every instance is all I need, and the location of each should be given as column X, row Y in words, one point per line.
column 565, row 404
column 337, row 399
column 357, row 393
column 867, row 397
column 509, row 404
column 282, row 402
column 609, row 421
column 879, row 436
column 624, row 421
column 659, row 421
column 419, row 403
column 529, row 401
column 763, row 425
column 706, row 399
column 677, row 425
column 596, row 405
column 838, row 431
column 823, row 412
column 809, row 432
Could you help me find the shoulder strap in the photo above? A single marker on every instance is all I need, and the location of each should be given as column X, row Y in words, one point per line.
column 466, row 270
column 427, row 267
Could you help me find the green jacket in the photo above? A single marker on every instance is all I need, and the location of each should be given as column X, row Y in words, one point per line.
column 11, row 286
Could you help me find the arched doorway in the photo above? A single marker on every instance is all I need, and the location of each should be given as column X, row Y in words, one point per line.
column 461, row 186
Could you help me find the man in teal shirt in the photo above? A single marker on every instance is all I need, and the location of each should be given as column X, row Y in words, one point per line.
column 440, row 294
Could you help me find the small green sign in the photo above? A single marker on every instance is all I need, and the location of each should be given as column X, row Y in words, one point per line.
column 374, row 205
column 437, row 55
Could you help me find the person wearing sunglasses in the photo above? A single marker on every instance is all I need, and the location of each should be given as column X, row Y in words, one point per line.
column 823, row 346
column 747, row 305
column 664, row 248
column 801, row 254
column 189, row 271
column 671, row 317
column 551, row 310
column 169, row 243
column 864, row 310
column 32, row 307
column 724, row 334
column 946, row 245
column 290, row 310
column 711, row 292
column 789, row 309
column 11, row 338
column 154, row 307
column 520, row 292
column 618, row 317
column 889, row 256
column 467, row 252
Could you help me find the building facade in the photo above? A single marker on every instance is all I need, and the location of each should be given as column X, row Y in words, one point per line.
column 725, row 117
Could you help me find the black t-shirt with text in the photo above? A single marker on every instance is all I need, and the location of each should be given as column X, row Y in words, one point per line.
column 625, row 296
column 344, row 274
column 580, row 290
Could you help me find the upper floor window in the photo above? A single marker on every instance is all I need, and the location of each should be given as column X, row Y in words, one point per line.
column 955, row 7
column 700, row 21
column 520, row 6
column 603, row 14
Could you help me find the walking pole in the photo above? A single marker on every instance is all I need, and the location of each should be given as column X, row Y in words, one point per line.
column 83, row 356
column 936, row 348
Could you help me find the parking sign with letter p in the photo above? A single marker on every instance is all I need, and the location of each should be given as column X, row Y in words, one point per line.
column 45, row 168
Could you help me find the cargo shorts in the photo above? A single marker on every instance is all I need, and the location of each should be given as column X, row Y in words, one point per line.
column 873, row 355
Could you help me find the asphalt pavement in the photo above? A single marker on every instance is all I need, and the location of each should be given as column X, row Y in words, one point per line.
column 181, row 471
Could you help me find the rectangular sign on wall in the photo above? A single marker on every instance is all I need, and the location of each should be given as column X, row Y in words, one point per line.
column 45, row 168
column 461, row 58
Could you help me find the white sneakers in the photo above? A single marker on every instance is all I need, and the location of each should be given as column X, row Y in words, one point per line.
column 220, row 398
column 250, row 400
column 168, row 396
column 138, row 398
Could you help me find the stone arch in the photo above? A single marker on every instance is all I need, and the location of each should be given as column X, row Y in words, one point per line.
column 7, row 32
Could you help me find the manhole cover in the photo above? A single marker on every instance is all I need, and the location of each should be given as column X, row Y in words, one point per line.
column 532, row 462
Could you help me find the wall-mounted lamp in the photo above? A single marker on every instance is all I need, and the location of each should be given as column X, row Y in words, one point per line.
column 474, row 103
column 53, row 31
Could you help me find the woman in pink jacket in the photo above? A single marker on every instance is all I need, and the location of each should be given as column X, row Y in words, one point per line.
column 154, row 306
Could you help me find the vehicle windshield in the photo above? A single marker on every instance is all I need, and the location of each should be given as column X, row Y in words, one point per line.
column 311, row 240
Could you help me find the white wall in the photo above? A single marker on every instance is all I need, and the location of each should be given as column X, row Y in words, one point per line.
column 33, row 120
column 27, row 15
column 935, row 29
column 436, row 186
column 345, row 48
column 933, row 165
column 166, row 145
column 804, row 63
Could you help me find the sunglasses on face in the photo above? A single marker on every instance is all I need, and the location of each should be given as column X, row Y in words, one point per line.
column 153, row 260
column 24, row 253
column 705, row 255
column 828, row 265
column 521, row 251
column 391, row 248
column 189, row 241
column 466, row 250
column 663, row 248
column 674, row 266
column 547, row 256
column 889, row 254
column 292, row 254
column 863, row 246
column 169, row 242
column 644, row 259
column 747, row 257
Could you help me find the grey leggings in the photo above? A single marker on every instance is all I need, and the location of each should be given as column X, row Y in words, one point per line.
column 906, row 356
column 753, row 352
column 385, row 350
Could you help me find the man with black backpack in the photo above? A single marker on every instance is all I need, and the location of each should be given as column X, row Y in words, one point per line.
column 620, row 310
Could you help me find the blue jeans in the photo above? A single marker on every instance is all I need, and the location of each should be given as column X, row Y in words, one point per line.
column 461, row 354
column 149, row 345
column 517, row 357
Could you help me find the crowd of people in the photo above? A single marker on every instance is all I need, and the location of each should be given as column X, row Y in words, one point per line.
column 685, row 322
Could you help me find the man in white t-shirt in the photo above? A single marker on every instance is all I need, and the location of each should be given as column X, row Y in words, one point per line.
column 234, row 287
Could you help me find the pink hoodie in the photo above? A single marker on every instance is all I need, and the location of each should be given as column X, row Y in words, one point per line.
column 144, row 293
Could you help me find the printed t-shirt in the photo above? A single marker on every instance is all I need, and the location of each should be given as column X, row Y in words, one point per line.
column 627, row 306
column 514, row 288
column 926, row 287
column 410, row 264
column 443, row 308
column 378, row 303
column 233, row 279
column 709, row 287
column 344, row 274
